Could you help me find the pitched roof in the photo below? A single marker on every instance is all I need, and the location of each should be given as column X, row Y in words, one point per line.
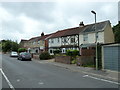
column 23, row 40
column 76, row 30
column 34, row 38
column 66, row 32
column 44, row 37
column 99, row 27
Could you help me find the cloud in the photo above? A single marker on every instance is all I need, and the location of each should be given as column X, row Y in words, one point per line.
column 24, row 20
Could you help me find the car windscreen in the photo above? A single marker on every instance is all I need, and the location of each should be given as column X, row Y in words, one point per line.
column 26, row 53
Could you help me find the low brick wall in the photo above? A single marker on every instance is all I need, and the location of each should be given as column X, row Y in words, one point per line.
column 36, row 56
column 85, row 60
column 63, row 59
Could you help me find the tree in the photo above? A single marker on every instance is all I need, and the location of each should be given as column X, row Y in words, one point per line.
column 8, row 45
column 116, row 30
column 15, row 46
column 22, row 50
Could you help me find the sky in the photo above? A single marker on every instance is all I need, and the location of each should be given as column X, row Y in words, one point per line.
column 24, row 20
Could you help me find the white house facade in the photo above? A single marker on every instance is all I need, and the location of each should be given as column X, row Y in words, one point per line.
column 103, row 34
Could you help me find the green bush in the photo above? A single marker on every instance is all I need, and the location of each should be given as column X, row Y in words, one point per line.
column 74, row 61
column 57, row 51
column 52, row 56
column 22, row 50
column 72, row 53
column 44, row 56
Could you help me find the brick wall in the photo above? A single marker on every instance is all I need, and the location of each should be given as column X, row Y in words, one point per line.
column 85, row 60
column 63, row 59
column 36, row 56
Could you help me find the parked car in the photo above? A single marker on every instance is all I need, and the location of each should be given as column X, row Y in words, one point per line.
column 13, row 54
column 24, row 56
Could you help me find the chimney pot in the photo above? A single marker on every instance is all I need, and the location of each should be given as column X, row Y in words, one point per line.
column 81, row 24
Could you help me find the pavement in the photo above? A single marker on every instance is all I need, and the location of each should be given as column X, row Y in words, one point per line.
column 104, row 74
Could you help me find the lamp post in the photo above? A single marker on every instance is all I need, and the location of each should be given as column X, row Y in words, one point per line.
column 96, row 41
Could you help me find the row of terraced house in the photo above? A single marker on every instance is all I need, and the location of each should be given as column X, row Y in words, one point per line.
column 80, row 38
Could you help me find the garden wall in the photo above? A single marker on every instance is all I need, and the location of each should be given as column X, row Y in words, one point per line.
column 63, row 59
column 35, row 56
column 86, row 60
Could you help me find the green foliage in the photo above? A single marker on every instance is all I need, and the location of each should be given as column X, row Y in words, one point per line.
column 72, row 52
column 57, row 51
column 116, row 30
column 52, row 56
column 22, row 50
column 44, row 56
column 88, row 65
column 8, row 45
column 74, row 61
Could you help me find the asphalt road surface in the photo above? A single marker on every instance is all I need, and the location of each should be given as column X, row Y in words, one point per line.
column 31, row 74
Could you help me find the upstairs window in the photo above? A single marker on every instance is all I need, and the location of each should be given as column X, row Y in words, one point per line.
column 72, row 40
column 85, row 37
column 58, row 40
column 97, row 35
column 65, row 41
column 33, row 43
column 38, row 42
column 52, row 41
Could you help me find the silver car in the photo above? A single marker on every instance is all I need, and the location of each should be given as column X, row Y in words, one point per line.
column 24, row 56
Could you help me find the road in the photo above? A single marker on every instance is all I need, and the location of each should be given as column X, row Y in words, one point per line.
column 32, row 74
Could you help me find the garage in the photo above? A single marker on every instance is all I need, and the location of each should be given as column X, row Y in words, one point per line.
column 111, row 57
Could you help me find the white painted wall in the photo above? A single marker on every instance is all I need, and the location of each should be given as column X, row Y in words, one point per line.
column 55, row 42
column 91, row 38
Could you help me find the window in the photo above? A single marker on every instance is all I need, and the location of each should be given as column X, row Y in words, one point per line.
column 51, row 51
column 65, row 41
column 33, row 43
column 85, row 37
column 97, row 36
column 72, row 40
column 58, row 39
column 49, row 41
column 38, row 42
column 52, row 41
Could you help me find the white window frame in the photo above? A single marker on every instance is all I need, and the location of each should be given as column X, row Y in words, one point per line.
column 85, row 37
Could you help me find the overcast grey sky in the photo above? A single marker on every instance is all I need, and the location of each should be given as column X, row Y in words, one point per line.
column 24, row 20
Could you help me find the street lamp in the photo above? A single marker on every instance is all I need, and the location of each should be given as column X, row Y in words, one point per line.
column 96, row 41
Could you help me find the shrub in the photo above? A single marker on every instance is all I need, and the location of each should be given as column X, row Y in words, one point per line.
column 57, row 51
column 22, row 50
column 74, row 61
column 52, row 56
column 44, row 56
column 72, row 53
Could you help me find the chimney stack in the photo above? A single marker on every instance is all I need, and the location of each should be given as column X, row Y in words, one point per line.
column 81, row 24
column 42, row 34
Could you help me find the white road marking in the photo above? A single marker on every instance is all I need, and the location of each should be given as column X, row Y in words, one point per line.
column 10, row 85
column 101, row 79
column 98, row 75
column 18, row 80
column 40, row 83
